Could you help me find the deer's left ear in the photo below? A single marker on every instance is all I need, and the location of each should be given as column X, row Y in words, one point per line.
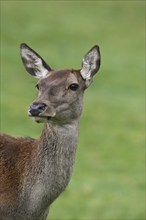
column 90, row 65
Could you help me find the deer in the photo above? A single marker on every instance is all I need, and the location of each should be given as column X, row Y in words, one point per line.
column 34, row 172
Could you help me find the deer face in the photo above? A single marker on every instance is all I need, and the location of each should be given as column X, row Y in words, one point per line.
column 60, row 93
column 59, row 99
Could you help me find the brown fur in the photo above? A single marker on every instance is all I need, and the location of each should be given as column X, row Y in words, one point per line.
column 15, row 158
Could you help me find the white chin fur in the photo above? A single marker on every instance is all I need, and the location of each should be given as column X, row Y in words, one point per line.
column 40, row 120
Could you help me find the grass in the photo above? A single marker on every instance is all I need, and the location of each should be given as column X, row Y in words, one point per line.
column 108, row 180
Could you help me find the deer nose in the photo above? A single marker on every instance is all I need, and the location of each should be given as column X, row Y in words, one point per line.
column 36, row 108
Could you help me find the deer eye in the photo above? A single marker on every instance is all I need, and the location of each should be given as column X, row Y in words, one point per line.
column 37, row 86
column 73, row 86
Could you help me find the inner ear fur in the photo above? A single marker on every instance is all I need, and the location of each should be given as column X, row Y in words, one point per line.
column 33, row 62
column 90, row 64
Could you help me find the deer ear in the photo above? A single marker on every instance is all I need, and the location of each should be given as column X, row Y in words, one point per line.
column 33, row 63
column 90, row 64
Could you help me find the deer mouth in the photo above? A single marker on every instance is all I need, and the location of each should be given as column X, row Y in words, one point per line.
column 40, row 118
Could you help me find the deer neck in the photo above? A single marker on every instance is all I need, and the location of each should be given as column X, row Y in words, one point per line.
column 60, row 142
column 58, row 148
column 57, row 137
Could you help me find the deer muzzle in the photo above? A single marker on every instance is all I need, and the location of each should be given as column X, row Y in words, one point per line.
column 41, row 111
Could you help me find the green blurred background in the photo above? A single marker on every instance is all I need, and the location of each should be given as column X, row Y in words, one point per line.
column 108, row 179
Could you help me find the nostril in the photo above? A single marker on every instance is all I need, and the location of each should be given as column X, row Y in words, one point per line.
column 36, row 108
column 41, row 106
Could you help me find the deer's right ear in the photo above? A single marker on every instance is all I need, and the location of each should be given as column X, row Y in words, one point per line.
column 33, row 63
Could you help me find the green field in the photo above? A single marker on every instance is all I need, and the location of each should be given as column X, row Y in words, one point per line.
column 108, row 180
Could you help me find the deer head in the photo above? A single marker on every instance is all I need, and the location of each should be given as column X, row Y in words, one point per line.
column 60, row 93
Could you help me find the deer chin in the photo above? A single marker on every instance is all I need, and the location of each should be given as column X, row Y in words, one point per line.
column 42, row 119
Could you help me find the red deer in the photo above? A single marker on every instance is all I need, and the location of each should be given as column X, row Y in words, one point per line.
column 34, row 172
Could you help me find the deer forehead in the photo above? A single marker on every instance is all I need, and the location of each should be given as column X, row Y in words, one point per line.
column 63, row 78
